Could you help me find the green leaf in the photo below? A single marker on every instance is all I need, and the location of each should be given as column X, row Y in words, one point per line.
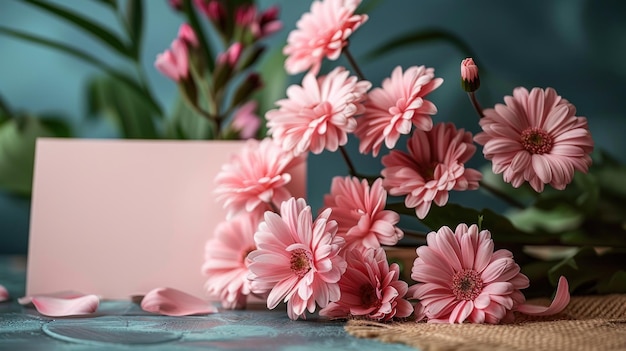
column 187, row 124
column 17, row 149
column 591, row 272
column 130, row 82
column 127, row 109
column 615, row 284
column 103, row 34
column 134, row 22
column 422, row 36
column 556, row 220
column 112, row 3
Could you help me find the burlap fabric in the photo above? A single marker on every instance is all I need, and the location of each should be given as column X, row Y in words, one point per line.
column 588, row 323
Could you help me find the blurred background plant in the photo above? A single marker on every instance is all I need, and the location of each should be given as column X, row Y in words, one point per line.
column 87, row 70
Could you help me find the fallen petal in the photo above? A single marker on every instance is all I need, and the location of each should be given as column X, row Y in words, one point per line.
column 60, row 305
column 4, row 294
column 172, row 302
column 25, row 300
column 561, row 300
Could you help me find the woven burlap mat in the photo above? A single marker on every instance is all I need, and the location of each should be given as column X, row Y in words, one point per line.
column 588, row 323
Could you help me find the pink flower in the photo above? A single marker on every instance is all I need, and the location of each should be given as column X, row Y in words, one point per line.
column 187, row 35
column 370, row 288
column 460, row 278
column 469, row 70
column 323, row 32
column 392, row 110
column 174, row 62
column 470, row 81
column 245, row 120
column 231, row 56
column 360, row 212
column 213, row 9
column 255, row 180
column 226, row 260
column 319, row 114
column 433, row 167
column 297, row 259
column 536, row 137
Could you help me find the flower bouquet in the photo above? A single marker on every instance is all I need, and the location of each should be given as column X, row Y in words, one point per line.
column 472, row 265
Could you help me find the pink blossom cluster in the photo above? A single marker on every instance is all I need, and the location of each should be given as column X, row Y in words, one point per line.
column 336, row 261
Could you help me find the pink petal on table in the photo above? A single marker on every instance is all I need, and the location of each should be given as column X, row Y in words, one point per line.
column 172, row 302
column 561, row 300
column 4, row 293
column 62, row 304
column 25, row 300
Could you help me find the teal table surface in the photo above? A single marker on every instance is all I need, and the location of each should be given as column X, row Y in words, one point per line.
column 122, row 325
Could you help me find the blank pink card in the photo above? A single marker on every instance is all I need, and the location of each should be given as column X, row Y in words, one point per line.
column 119, row 218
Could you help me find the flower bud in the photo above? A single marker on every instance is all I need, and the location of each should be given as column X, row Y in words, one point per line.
column 470, row 81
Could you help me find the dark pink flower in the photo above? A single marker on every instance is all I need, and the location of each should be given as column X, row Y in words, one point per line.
column 434, row 165
column 460, row 278
column 370, row 288
column 322, row 32
column 174, row 62
column 226, row 260
column 297, row 259
column 392, row 111
column 260, row 25
column 319, row 114
column 536, row 138
column 360, row 212
column 255, row 180
column 4, row 293
column 470, row 81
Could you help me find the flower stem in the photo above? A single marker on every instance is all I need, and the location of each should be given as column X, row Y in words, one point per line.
column 474, row 101
column 349, row 163
column 502, row 195
column 353, row 63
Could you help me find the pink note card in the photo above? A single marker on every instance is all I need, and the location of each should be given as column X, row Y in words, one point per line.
column 119, row 217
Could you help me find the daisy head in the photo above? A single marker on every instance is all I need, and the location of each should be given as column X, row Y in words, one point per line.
column 359, row 209
column 297, row 259
column 319, row 114
column 322, row 32
column 370, row 288
column 434, row 165
column 256, row 179
column 460, row 277
column 536, row 137
column 226, row 260
column 393, row 109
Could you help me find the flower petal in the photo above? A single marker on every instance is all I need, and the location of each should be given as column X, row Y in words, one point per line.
column 561, row 299
column 62, row 304
column 173, row 302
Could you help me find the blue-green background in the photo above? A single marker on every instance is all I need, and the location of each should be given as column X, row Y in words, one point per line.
column 576, row 46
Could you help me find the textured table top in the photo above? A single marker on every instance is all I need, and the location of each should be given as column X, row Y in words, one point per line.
column 122, row 325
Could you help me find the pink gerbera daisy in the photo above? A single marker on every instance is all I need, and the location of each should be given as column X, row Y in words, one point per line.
column 255, row 180
column 536, row 137
column 297, row 259
column 370, row 288
column 433, row 167
column 319, row 114
column 392, row 110
column 322, row 32
column 360, row 212
column 460, row 278
column 226, row 260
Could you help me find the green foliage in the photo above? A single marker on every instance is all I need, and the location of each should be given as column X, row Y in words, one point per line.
column 18, row 137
